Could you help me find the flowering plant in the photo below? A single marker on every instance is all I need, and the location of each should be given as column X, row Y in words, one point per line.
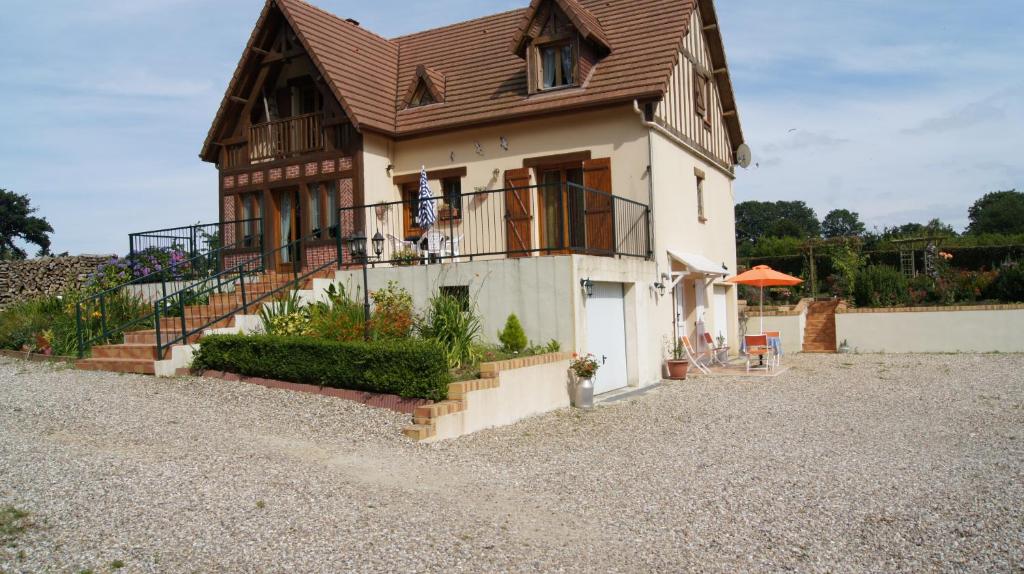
column 584, row 367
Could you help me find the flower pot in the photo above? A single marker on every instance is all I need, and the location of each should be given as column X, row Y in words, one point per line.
column 677, row 369
column 583, row 394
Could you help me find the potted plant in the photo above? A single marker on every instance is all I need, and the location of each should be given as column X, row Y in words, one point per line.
column 722, row 350
column 677, row 365
column 585, row 368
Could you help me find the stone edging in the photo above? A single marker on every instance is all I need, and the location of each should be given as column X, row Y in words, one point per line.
column 424, row 417
column 850, row 310
column 390, row 402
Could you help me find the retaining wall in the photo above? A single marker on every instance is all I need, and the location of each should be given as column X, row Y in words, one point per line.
column 981, row 328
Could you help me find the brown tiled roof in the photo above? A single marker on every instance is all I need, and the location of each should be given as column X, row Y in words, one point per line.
column 360, row 66
column 481, row 78
column 584, row 21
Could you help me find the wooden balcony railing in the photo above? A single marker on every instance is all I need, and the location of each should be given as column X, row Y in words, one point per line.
column 285, row 138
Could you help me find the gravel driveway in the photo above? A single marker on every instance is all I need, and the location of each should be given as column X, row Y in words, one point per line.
column 845, row 463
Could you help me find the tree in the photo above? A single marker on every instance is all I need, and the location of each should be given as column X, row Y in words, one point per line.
column 513, row 338
column 997, row 212
column 756, row 220
column 18, row 223
column 842, row 223
column 933, row 228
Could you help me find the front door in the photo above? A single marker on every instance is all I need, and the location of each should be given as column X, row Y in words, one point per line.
column 606, row 335
column 287, row 230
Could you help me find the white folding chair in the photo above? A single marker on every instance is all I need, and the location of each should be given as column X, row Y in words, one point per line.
column 452, row 247
column 700, row 360
column 775, row 347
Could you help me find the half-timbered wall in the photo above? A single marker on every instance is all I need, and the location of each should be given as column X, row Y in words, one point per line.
column 677, row 112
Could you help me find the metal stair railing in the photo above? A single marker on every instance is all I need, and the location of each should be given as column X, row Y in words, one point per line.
column 105, row 316
column 190, row 313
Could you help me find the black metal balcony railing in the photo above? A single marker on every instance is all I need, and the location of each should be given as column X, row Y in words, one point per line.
column 512, row 222
column 192, row 240
column 285, row 138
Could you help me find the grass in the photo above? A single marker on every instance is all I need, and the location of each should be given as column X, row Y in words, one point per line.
column 13, row 523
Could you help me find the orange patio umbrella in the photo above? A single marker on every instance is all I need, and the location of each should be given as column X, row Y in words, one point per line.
column 763, row 276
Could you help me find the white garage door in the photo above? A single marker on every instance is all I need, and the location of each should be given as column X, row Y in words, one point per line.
column 606, row 334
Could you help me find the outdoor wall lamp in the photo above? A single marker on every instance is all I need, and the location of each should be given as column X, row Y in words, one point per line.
column 390, row 168
column 660, row 287
column 588, row 286
column 357, row 247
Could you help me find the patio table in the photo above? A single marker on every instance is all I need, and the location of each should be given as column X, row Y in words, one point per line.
column 774, row 342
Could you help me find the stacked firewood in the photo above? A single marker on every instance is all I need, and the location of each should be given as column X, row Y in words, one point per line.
column 30, row 278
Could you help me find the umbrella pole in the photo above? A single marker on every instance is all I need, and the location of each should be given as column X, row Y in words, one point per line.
column 762, row 310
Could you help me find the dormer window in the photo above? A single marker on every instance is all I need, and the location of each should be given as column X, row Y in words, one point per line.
column 421, row 97
column 558, row 65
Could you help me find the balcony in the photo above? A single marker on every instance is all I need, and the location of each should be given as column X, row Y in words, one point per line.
column 513, row 222
column 285, row 138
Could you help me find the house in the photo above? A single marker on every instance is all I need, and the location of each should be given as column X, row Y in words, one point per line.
column 581, row 153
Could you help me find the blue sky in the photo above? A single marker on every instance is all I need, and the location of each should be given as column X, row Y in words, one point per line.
column 902, row 111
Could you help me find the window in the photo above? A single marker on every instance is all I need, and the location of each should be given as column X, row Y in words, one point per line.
column 331, row 189
column 458, row 292
column 701, row 216
column 558, row 65
column 422, row 96
column 452, row 187
column 316, row 203
column 702, row 97
column 250, row 212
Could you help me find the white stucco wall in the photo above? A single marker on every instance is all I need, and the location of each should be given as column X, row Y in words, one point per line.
column 933, row 331
column 521, row 393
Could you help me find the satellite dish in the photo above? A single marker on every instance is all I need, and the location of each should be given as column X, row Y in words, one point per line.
column 743, row 156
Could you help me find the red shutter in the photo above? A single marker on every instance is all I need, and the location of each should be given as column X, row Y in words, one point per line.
column 597, row 179
column 518, row 212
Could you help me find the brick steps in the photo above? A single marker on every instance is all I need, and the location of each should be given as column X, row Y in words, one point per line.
column 138, row 353
column 820, row 327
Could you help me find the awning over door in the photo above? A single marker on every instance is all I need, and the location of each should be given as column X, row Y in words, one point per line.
column 698, row 263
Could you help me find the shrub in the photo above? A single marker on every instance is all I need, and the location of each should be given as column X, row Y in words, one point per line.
column 340, row 318
column 392, row 312
column 454, row 325
column 881, row 286
column 285, row 316
column 1008, row 286
column 408, row 368
column 512, row 337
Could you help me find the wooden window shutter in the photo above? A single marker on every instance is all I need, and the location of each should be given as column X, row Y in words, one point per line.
column 600, row 219
column 518, row 212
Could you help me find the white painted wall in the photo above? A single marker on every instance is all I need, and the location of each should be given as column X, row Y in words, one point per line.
column 933, row 331
column 521, row 393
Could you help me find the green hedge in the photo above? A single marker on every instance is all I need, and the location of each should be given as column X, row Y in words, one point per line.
column 408, row 368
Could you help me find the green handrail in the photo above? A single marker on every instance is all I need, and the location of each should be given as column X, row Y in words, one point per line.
column 103, row 316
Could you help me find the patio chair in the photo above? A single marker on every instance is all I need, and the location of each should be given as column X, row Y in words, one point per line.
column 699, row 360
column 716, row 350
column 757, row 346
column 452, row 247
column 434, row 249
column 776, row 346
column 398, row 245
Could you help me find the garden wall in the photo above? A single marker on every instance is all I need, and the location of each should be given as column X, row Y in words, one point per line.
column 981, row 328
column 30, row 278
column 509, row 391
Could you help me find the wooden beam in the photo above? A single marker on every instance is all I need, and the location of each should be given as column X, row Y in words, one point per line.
column 710, row 27
column 728, row 113
column 238, row 100
column 431, row 175
column 721, row 70
column 259, row 51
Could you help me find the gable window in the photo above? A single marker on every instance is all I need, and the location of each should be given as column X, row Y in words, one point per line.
column 558, row 65
column 702, row 97
column 701, row 215
column 422, row 96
